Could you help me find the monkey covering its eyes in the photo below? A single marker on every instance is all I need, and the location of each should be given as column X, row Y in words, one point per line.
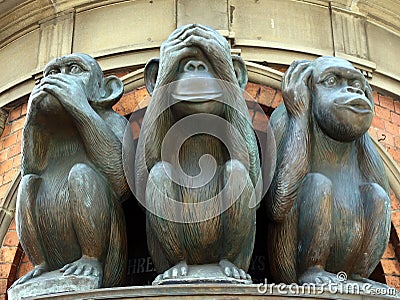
column 328, row 201
column 197, row 81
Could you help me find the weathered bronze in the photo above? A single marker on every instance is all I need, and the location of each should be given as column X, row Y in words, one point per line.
column 328, row 201
column 68, row 211
column 199, row 240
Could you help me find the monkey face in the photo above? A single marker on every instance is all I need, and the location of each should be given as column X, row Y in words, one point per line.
column 196, row 89
column 340, row 105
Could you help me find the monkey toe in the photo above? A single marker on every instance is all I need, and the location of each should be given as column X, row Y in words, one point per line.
column 83, row 267
column 230, row 270
column 37, row 271
column 179, row 270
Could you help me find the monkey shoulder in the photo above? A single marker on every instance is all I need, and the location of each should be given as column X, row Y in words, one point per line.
column 114, row 121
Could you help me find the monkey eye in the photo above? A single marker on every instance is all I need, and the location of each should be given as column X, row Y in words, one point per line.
column 330, row 81
column 356, row 84
column 75, row 69
column 53, row 72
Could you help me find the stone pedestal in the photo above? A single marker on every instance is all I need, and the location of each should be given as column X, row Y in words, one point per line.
column 52, row 283
column 215, row 292
column 208, row 273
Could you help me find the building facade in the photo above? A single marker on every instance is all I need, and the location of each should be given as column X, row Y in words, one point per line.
column 124, row 34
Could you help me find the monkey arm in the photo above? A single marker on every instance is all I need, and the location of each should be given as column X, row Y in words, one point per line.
column 103, row 147
column 292, row 166
column 370, row 163
column 294, row 147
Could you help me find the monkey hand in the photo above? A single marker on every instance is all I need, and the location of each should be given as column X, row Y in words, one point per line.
column 295, row 91
column 188, row 42
column 68, row 89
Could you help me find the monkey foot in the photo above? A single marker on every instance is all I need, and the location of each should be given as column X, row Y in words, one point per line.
column 84, row 266
column 177, row 271
column 318, row 275
column 230, row 270
column 37, row 271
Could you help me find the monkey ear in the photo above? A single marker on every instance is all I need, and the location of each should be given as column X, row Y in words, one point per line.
column 150, row 74
column 240, row 71
column 113, row 88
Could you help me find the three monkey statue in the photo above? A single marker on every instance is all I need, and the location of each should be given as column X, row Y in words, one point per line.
column 328, row 203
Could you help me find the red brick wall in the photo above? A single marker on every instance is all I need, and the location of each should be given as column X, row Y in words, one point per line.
column 13, row 262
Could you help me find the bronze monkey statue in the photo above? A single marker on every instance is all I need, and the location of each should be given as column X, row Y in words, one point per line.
column 69, row 215
column 197, row 77
column 328, row 202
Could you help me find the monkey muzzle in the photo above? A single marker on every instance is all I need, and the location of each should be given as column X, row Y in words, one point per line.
column 196, row 87
column 359, row 105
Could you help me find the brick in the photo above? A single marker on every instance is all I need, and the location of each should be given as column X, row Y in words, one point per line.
column 397, row 106
column 391, row 266
column 378, row 122
column 11, row 239
column 17, row 125
column 17, row 161
column 277, row 100
column 3, row 297
column 3, row 285
column 15, row 150
column 395, row 154
column 25, row 258
column 386, row 102
column 394, row 202
column 393, row 281
column 10, row 140
column 3, row 190
column 6, row 131
column 7, row 254
column 389, row 252
column 253, row 89
column 396, row 218
column 24, row 268
column 5, row 166
column 9, row 176
column 376, row 97
column 397, row 141
column 12, row 225
column 14, row 114
column 3, row 155
column 391, row 128
column 24, row 109
column 389, row 139
column 5, row 270
column 395, row 118
column 266, row 96
column 382, row 112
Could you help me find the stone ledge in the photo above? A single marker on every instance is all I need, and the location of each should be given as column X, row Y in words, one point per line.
column 52, row 283
column 205, row 291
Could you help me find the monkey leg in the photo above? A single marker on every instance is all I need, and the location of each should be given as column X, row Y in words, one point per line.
column 315, row 205
column 377, row 214
column 162, row 231
column 27, row 227
column 238, row 221
column 90, row 210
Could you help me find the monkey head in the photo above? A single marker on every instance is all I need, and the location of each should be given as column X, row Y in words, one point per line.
column 76, row 75
column 342, row 102
column 195, row 62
